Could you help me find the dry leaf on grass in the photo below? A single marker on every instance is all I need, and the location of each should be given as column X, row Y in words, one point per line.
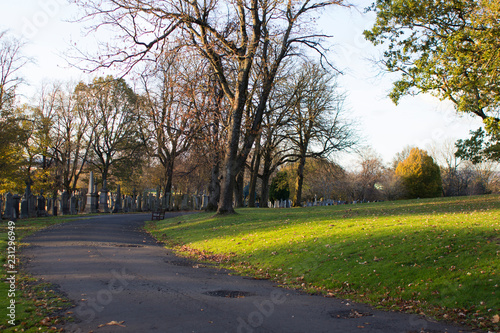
column 113, row 323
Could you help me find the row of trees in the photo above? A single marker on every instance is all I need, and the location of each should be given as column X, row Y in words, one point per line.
column 414, row 173
column 175, row 122
column 225, row 88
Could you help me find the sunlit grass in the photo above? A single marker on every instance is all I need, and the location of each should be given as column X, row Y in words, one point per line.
column 437, row 256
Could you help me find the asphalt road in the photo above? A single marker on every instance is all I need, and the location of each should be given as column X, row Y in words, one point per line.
column 121, row 280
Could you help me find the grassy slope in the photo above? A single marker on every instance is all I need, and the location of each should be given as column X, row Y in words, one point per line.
column 36, row 302
column 439, row 257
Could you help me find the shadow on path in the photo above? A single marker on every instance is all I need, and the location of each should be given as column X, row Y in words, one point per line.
column 121, row 280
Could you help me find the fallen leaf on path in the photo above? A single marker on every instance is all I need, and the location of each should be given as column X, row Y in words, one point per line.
column 113, row 323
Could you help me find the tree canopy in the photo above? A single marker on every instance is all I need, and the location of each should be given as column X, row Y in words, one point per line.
column 446, row 48
column 420, row 175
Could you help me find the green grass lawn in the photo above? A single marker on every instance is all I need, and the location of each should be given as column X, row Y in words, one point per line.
column 439, row 257
column 36, row 303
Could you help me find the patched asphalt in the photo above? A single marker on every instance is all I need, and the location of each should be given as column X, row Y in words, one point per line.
column 121, row 280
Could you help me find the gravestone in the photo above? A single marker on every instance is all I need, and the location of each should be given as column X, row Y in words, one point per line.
column 204, row 202
column 139, row 203
column 157, row 199
column 40, row 205
column 134, row 200
column 90, row 206
column 64, row 203
column 151, row 202
column 72, row 205
column 16, row 199
column 49, row 205
column 144, row 201
column 9, row 206
column 185, row 203
column 32, row 205
column 103, row 198
column 24, row 208
column 126, row 204
column 118, row 208
column 81, row 203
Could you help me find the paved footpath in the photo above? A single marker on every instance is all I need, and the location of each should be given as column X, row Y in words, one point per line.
column 121, row 280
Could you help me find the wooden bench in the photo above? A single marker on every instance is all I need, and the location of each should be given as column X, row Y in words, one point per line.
column 158, row 215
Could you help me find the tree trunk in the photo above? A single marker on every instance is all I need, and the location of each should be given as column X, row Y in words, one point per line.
column 300, row 181
column 264, row 194
column 238, row 189
column 254, row 175
column 214, row 188
column 231, row 169
column 266, row 175
column 169, row 176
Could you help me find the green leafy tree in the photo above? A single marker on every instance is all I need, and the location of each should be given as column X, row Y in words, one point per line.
column 420, row 175
column 446, row 48
column 481, row 146
column 280, row 189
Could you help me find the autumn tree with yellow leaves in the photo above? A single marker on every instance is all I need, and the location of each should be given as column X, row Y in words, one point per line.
column 420, row 175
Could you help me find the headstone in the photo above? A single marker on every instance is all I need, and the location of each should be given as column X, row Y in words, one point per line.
column 72, row 205
column 139, row 203
column 65, row 203
column 118, row 208
column 144, row 202
column 171, row 202
column 28, row 203
column 151, row 202
column 90, row 206
column 32, row 205
column 126, row 206
column 134, row 200
column 9, row 207
column 40, row 205
column 54, row 205
column 81, row 203
column 49, row 205
column 16, row 199
column 103, row 198
column 24, row 208
column 204, row 201
column 158, row 202
column 185, row 202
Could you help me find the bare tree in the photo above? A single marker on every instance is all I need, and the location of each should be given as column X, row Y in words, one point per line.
column 249, row 33
column 173, row 105
column 72, row 137
column 115, row 125
column 316, row 127
column 11, row 132
column 371, row 172
column 11, row 61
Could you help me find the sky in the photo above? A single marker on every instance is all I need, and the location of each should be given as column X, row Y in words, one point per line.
column 421, row 121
